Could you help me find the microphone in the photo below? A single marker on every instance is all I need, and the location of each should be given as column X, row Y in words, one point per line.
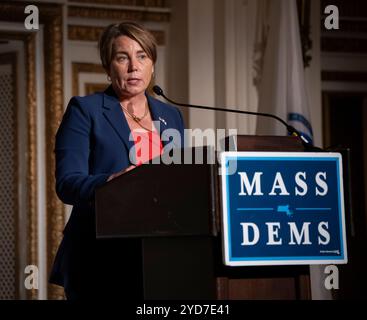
column 291, row 130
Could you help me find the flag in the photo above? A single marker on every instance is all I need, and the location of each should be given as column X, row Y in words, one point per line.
column 281, row 86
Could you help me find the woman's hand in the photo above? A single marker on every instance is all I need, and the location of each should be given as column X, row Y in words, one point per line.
column 117, row 174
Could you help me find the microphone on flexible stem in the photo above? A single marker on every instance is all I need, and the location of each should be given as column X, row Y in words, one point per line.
column 291, row 130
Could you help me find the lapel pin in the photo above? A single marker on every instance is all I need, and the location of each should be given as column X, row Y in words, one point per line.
column 162, row 120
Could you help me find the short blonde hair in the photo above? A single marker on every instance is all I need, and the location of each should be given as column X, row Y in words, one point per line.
column 132, row 30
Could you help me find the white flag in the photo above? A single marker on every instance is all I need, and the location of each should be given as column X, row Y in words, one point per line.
column 282, row 90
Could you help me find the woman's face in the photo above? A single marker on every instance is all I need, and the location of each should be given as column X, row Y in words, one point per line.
column 131, row 69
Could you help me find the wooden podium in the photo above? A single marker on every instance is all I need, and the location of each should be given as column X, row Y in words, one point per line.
column 175, row 211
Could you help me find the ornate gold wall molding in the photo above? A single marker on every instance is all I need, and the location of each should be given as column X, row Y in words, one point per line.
column 113, row 14
column 84, row 33
column 142, row 3
column 91, row 33
column 30, row 53
column 91, row 88
column 80, row 67
column 54, row 111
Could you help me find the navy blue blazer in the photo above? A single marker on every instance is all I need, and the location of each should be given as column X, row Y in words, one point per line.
column 92, row 143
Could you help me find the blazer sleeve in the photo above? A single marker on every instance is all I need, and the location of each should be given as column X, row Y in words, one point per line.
column 74, row 184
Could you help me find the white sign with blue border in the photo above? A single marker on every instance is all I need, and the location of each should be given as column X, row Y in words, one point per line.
column 283, row 208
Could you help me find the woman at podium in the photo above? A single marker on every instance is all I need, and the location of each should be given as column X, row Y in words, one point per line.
column 102, row 136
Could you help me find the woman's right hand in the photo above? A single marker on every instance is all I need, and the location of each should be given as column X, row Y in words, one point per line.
column 117, row 174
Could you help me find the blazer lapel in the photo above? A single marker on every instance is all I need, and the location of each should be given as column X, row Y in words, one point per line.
column 112, row 111
column 158, row 117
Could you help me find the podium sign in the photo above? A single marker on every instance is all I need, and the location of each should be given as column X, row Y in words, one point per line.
column 283, row 208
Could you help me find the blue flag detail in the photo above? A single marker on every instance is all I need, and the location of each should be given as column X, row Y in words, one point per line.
column 296, row 118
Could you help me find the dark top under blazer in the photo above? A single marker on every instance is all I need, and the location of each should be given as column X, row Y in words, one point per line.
column 92, row 143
